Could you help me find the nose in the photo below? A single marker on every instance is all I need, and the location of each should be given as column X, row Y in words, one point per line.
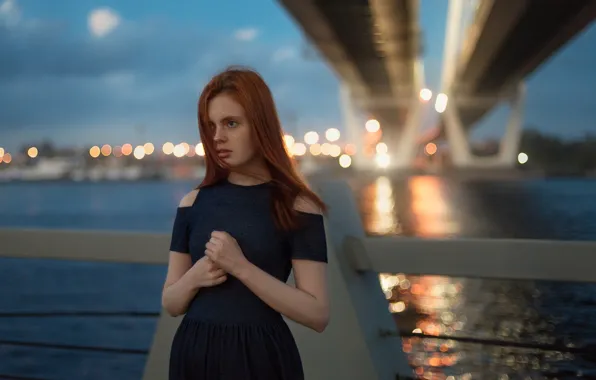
column 219, row 135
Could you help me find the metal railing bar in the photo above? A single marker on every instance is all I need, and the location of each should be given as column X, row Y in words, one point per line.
column 90, row 313
column 507, row 259
column 490, row 342
column 74, row 347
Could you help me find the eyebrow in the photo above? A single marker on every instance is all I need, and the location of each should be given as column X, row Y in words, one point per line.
column 228, row 117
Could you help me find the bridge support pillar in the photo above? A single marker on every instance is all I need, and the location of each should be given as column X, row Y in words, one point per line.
column 457, row 137
column 354, row 128
column 407, row 143
column 509, row 147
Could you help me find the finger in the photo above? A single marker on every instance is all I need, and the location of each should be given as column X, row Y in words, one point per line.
column 210, row 245
column 217, row 273
column 220, row 235
column 215, row 240
column 219, row 280
column 209, row 254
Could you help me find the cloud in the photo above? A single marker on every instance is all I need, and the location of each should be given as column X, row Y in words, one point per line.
column 75, row 88
column 102, row 21
column 10, row 13
column 284, row 54
column 246, row 34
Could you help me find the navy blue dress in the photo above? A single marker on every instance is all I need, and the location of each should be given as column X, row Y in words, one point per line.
column 228, row 333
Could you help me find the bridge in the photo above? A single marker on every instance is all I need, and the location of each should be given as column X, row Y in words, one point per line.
column 374, row 47
column 490, row 48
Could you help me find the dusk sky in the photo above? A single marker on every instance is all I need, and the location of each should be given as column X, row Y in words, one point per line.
column 92, row 72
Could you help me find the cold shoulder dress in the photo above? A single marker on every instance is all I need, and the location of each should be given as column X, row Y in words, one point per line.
column 228, row 333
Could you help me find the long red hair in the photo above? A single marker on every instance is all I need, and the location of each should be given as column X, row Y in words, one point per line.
column 250, row 90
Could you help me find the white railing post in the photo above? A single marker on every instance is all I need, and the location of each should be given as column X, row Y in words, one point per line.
column 352, row 345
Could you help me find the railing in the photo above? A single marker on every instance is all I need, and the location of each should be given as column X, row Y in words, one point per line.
column 358, row 343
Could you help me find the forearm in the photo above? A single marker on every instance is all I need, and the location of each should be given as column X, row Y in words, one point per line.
column 176, row 297
column 290, row 301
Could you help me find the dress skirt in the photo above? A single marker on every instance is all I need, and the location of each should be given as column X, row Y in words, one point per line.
column 203, row 350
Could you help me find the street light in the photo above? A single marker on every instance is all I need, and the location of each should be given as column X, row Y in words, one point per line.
column 441, row 103
column 426, row 95
column 372, row 125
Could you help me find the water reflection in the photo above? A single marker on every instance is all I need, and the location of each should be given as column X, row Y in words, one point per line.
column 378, row 199
column 455, row 328
column 486, row 329
column 435, row 207
column 431, row 211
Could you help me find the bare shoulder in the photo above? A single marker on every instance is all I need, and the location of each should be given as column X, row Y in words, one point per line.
column 189, row 199
column 305, row 204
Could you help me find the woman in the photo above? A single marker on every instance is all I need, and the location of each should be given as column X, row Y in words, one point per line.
column 235, row 240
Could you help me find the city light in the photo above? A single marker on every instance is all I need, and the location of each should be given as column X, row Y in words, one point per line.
column 94, row 151
column 426, row 95
column 381, row 148
column 6, row 158
column 200, row 149
column 126, row 149
column 382, row 160
column 332, row 134
column 179, row 150
column 430, row 148
column 315, row 149
column 289, row 141
column 139, row 152
column 345, row 161
column 149, row 148
column 185, row 147
column 522, row 158
column 441, row 103
column 299, row 149
column 311, row 137
column 117, row 151
column 350, row 149
column 168, row 148
column 335, row 150
column 106, row 150
column 32, row 152
column 372, row 125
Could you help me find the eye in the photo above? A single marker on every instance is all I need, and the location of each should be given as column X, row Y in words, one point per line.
column 231, row 124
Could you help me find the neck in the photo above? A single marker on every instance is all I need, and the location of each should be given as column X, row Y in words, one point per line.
column 253, row 174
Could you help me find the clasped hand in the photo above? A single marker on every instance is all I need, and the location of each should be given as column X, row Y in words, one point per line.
column 225, row 252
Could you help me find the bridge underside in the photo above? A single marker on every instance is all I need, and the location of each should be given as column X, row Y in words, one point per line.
column 371, row 45
column 507, row 42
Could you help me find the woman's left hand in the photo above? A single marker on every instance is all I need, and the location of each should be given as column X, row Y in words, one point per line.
column 225, row 252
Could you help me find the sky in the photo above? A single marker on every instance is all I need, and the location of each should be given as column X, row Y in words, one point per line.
column 92, row 72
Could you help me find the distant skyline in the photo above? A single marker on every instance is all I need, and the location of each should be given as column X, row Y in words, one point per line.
column 93, row 72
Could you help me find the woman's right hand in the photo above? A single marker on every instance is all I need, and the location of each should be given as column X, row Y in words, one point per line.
column 205, row 273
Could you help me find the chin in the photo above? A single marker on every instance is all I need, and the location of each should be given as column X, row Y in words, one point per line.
column 229, row 163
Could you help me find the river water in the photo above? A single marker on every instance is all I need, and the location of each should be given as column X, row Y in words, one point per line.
column 498, row 329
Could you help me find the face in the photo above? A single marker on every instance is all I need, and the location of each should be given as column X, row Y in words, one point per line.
column 231, row 131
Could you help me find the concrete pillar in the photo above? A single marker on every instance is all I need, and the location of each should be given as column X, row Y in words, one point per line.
column 509, row 147
column 407, row 144
column 457, row 136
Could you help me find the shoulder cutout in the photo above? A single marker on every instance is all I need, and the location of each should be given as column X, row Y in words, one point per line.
column 306, row 205
column 189, row 199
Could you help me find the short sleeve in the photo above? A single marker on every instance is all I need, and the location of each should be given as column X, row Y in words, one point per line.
column 179, row 242
column 309, row 242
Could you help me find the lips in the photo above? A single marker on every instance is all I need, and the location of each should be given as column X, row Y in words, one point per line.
column 223, row 153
